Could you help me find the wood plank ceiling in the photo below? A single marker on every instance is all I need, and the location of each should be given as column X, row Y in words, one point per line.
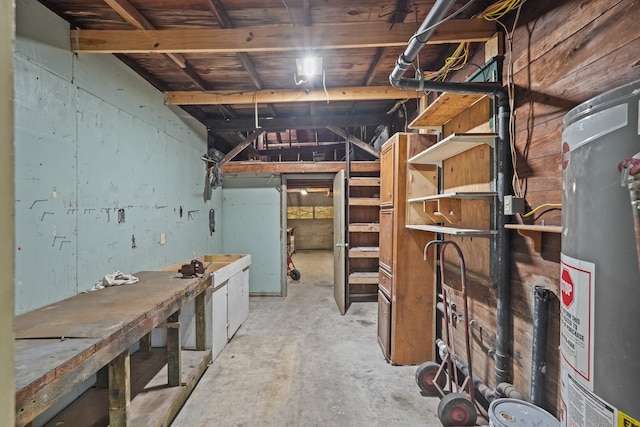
column 231, row 63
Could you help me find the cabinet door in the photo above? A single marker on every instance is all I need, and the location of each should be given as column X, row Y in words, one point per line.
column 384, row 325
column 387, row 160
column 238, row 302
column 386, row 239
column 219, row 320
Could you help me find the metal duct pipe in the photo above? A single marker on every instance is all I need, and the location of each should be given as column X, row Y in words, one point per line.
column 504, row 169
column 539, row 351
column 437, row 13
column 503, row 261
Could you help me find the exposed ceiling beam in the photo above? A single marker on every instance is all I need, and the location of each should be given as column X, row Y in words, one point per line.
column 225, row 22
column 244, row 144
column 129, row 13
column 303, row 149
column 286, row 95
column 273, row 39
column 355, row 141
column 306, row 12
column 306, row 122
column 298, row 167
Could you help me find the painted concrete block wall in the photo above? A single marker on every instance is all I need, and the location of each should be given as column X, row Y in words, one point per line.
column 91, row 138
column 252, row 217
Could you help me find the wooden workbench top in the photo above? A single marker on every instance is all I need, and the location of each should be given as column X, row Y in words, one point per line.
column 99, row 314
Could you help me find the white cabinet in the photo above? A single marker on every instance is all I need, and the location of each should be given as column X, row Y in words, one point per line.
column 230, row 308
column 226, row 304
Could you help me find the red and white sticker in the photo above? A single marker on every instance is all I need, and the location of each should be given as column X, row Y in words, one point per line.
column 577, row 316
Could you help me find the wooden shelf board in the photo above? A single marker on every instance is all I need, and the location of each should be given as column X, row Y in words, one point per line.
column 364, row 182
column 364, row 278
column 153, row 403
column 444, row 108
column 364, row 201
column 364, row 252
column 456, row 195
column 363, row 227
column 452, row 230
column 533, row 233
column 540, row 228
column 363, row 297
column 452, row 145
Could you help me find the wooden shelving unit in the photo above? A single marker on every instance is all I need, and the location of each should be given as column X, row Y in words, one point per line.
column 445, row 107
column 364, row 252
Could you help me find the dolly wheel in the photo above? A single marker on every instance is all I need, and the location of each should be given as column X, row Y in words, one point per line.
column 425, row 374
column 456, row 409
column 295, row 274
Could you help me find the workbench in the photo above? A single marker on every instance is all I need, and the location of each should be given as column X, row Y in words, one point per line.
column 63, row 344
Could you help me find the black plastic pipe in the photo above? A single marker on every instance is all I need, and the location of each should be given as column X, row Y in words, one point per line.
column 504, row 169
column 539, row 350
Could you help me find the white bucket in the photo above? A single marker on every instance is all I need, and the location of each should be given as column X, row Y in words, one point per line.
column 515, row 412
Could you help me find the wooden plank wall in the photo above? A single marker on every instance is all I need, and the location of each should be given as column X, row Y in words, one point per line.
column 564, row 53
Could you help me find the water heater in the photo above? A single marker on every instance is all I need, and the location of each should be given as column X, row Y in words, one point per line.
column 599, row 278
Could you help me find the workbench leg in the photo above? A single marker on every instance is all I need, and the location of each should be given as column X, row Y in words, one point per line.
column 201, row 326
column 173, row 352
column 120, row 391
column 145, row 343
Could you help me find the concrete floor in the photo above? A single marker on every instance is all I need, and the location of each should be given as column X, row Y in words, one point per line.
column 297, row 362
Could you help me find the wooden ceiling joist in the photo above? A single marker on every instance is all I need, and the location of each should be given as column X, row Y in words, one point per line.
column 306, row 122
column 355, row 141
column 298, row 167
column 241, row 146
column 129, row 13
column 286, row 95
column 225, row 22
column 273, row 39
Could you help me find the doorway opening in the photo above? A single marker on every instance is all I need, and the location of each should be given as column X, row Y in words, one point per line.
column 307, row 216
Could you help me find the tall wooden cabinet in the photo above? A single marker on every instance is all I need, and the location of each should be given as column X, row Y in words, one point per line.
column 406, row 292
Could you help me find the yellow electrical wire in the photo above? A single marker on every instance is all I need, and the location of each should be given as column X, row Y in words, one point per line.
column 546, row 205
column 500, row 9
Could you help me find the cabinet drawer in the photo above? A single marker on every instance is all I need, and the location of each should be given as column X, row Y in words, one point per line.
column 385, row 282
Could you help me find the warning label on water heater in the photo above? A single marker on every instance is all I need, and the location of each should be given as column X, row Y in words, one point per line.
column 577, row 317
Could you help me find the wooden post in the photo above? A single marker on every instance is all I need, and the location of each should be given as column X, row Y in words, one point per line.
column 201, row 323
column 120, row 390
column 173, row 352
column 145, row 343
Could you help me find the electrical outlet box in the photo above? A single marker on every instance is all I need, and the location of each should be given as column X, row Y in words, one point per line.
column 513, row 205
column 162, row 238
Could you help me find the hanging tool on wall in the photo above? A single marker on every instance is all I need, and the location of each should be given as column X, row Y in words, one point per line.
column 213, row 177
